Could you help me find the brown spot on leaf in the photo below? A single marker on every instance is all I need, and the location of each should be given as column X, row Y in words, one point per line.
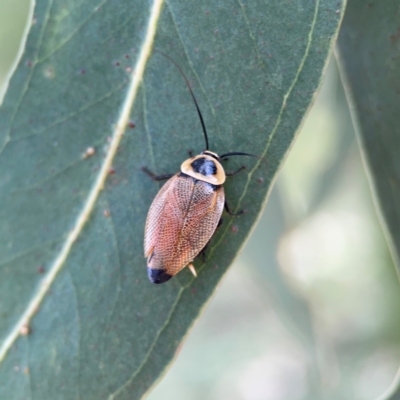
column 25, row 330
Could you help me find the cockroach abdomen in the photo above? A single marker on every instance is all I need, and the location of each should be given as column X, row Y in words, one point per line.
column 158, row 275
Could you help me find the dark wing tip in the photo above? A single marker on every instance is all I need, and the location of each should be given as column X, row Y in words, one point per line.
column 158, row 275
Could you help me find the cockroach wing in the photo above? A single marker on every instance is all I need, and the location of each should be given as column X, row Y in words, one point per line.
column 180, row 222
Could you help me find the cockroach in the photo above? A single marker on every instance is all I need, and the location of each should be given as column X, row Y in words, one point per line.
column 187, row 210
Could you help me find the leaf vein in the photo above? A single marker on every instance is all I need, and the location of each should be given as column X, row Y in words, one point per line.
column 56, row 49
column 78, row 317
column 146, row 126
column 15, row 257
column 153, row 344
column 242, row 8
column 28, row 369
column 119, row 288
column 69, row 116
column 88, row 206
column 193, row 69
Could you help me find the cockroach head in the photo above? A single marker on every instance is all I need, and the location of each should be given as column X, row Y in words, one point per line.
column 205, row 167
column 211, row 154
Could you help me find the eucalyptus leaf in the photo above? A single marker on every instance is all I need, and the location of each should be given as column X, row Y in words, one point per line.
column 369, row 60
column 369, row 57
column 88, row 105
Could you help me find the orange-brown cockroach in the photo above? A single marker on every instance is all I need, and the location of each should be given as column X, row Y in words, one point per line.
column 186, row 211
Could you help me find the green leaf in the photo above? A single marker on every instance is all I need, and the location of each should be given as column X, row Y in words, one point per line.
column 369, row 59
column 71, row 234
column 369, row 50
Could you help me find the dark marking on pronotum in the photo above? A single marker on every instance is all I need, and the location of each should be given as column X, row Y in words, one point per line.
column 204, row 166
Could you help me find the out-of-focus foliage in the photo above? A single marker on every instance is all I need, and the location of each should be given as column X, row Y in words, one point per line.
column 369, row 59
column 12, row 23
column 369, row 56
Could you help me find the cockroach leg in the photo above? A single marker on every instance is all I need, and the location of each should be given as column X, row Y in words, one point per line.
column 228, row 210
column 192, row 270
column 156, row 177
column 203, row 253
column 190, row 152
column 235, row 172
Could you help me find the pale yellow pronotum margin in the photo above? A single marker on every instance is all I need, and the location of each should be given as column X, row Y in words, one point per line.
column 88, row 207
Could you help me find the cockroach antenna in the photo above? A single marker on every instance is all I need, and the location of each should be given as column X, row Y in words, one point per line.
column 191, row 92
column 236, row 153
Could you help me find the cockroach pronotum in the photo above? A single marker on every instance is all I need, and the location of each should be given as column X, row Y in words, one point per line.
column 187, row 210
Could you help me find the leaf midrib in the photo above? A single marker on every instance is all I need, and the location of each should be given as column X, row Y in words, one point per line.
column 88, row 207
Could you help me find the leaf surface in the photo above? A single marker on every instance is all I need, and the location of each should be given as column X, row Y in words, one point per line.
column 71, row 234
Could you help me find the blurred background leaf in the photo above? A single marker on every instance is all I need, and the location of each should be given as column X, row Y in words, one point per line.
column 369, row 55
column 369, row 59
column 102, row 330
column 13, row 20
